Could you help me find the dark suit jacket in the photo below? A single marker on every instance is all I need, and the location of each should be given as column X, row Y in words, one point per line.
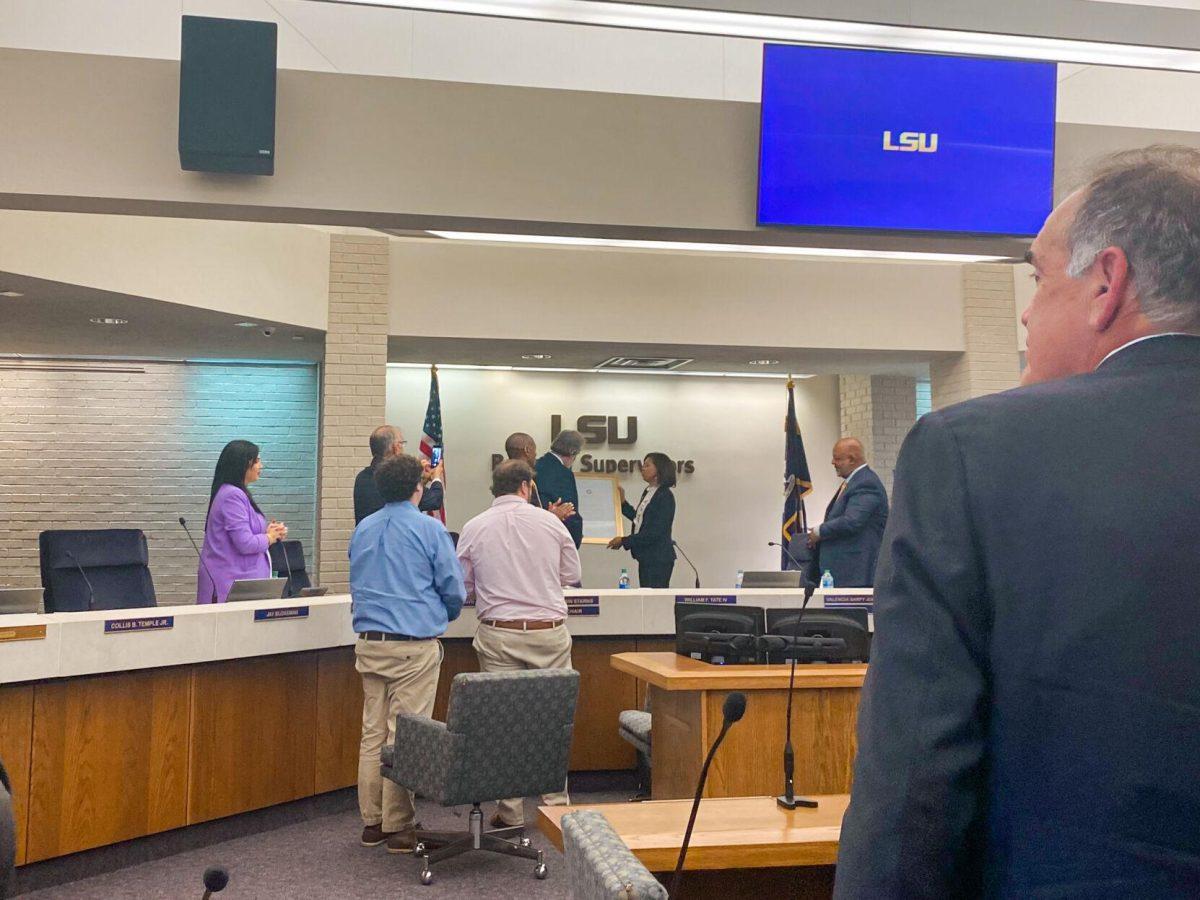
column 1030, row 724
column 367, row 498
column 652, row 542
column 852, row 532
column 556, row 482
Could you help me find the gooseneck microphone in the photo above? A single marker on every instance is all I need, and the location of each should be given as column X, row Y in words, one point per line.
column 83, row 574
column 732, row 711
column 795, row 562
column 788, row 799
column 215, row 879
column 290, row 592
column 675, row 544
column 200, row 556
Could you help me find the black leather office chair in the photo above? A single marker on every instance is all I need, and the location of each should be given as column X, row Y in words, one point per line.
column 107, row 568
column 287, row 561
column 8, row 835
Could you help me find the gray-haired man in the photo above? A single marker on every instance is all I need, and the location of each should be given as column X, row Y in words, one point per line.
column 556, row 481
column 1030, row 725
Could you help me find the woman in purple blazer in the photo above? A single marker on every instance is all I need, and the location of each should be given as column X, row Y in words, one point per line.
column 236, row 533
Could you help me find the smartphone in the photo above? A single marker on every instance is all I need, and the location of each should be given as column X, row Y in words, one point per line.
column 435, row 457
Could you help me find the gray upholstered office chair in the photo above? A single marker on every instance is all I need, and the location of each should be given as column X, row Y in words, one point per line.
column 507, row 734
column 600, row 866
column 633, row 725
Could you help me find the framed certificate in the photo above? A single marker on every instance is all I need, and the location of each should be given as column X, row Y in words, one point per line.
column 600, row 506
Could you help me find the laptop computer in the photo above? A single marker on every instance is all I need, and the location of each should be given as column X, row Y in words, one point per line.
column 257, row 589
column 20, row 600
column 789, row 579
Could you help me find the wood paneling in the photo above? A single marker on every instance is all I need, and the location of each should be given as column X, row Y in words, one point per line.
column 459, row 657
column 339, row 719
column 750, row 761
column 677, row 745
column 253, row 734
column 603, row 694
column 650, row 645
column 16, row 739
column 680, row 673
column 109, row 760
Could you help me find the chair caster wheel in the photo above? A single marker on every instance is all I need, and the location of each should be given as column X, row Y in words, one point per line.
column 526, row 842
column 541, row 872
column 427, row 877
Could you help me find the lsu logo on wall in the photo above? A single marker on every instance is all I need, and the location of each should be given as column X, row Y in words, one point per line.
column 912, row 142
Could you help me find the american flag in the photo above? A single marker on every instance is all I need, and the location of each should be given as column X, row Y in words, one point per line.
column 431, row 435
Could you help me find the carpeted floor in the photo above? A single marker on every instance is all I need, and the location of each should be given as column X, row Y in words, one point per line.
column 321, row 858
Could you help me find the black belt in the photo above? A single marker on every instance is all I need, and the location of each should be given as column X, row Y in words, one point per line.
column 388, row 636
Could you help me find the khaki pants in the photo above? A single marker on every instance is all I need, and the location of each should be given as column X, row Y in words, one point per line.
column 509, row 650
column 398, row 677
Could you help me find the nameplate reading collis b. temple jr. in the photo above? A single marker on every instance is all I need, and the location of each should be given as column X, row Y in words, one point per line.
column 149, row 623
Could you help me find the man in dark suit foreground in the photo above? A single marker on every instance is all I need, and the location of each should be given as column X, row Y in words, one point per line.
column 1030, row 724
column 846, row 544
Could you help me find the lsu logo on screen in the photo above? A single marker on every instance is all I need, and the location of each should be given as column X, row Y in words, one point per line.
column 912, row 142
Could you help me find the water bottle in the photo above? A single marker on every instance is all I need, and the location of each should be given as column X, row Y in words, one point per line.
column 623, row 581
column 827, row 580
column 740, row 576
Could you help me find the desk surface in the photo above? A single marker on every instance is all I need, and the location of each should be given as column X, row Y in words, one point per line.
column 730, row 832
column 673, row 672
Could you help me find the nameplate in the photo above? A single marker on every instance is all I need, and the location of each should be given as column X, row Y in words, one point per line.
column 706, row 598
column 128, row 626
column 287, row 612
column 23, row 633
column 849, row 601
column 583, row 606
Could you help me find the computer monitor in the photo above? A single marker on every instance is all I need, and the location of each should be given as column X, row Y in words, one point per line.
column 257, row 589
column 770, row 579
column 20, row 600
column 718, row 633
column 825, row 635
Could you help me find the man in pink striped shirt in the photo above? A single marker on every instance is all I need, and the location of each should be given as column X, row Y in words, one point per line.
column 516, row 559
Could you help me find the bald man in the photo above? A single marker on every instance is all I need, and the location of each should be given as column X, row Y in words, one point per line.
column 523, row 447
column 846, row 544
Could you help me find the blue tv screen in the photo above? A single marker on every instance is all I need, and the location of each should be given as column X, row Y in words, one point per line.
column 905, row 141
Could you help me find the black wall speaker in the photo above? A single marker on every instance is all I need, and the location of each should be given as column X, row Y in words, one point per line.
column 227, row 96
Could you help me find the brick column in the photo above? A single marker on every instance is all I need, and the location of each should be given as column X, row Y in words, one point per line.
column 991, row 361
column 878, row 410
column 352, row 390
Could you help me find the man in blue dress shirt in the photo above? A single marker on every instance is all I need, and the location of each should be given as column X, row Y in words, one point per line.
column 406, row 587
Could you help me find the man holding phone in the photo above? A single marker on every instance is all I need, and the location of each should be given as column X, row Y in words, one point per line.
column 387, row 441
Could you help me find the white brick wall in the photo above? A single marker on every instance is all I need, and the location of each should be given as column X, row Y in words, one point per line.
column 136, row 449
column 991, row 361
column 353, row 388
column 878, row 410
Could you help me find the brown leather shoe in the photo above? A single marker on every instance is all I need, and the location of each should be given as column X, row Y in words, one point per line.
column 374, row 835
column 402, row 841
column 497, row 822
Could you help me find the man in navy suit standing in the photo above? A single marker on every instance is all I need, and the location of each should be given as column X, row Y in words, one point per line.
column 846, row 544
column 1030, row 722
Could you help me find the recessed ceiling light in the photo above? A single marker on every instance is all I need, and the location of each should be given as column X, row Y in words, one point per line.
column 108, row 321
column 11, row 294
column 764, row 362
column 247, row 324
column 297, row 337
column 536, row 356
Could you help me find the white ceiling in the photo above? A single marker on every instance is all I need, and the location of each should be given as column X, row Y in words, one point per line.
column 368, row 40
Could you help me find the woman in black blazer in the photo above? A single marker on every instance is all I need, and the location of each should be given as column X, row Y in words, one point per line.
column 650, row 540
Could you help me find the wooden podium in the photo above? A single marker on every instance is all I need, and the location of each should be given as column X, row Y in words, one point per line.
column 686, row 696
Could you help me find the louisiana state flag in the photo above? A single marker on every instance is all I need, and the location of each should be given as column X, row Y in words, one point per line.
column 797, row 484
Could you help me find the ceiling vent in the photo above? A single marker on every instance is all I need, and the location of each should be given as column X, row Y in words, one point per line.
column 644, row 363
